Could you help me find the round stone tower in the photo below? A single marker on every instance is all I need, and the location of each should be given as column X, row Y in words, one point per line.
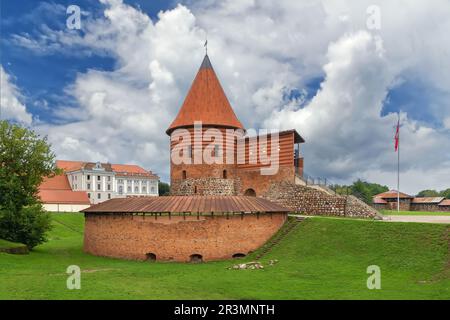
column 200, row 135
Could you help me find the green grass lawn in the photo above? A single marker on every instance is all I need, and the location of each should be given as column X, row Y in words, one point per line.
column 4, row 244
column 413, row 213
column 8, row 244
column 321, row 259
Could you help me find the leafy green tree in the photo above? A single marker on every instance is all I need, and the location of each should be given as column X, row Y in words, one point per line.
column 25, row 159
column 428, row 193
column 361, row 189
column 28, row 226
column 445, row 193
column 163, row 189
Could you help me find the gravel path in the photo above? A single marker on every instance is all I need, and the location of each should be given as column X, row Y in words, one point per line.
column 427, row 219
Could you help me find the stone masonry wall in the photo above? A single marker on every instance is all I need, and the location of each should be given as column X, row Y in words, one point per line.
column 306, row 200
column 309, row 201
column 203, row 186
column 357, row 208
column 176, row 238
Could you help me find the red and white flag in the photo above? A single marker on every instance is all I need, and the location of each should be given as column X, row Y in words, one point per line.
column 397, row 136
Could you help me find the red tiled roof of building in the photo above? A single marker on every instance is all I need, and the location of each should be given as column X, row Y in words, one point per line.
column 377, row 200
column 206, row 102
column 120, row 169
column 187, row 204
column 445, row 202
column 424, row 200
column 63, row 196
column 393, row 194
column 68, row 165
column 59, row 182
column 57, row 190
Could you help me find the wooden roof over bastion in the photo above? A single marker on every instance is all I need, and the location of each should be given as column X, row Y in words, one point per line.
column 188, row 204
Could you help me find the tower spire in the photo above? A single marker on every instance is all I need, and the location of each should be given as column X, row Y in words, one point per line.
column 206, row 102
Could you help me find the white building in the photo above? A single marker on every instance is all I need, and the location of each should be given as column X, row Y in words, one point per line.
column 104, row 181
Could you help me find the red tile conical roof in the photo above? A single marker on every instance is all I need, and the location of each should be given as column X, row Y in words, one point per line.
column 206, row 102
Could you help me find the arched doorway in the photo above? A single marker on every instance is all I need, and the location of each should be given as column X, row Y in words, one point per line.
column 151, row 257
column 195, row 258
column 250, row 193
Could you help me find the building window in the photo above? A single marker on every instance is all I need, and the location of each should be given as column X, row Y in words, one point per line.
column 144, row 189
column 109, row 195
column 88, row 186
column 109, row 187
column 153, row 189
column 98, row 178
column 190, row 151
column 129, row 189
column 120, row 189
column 72, row 178
column 89, row 177
column 224, row 174
column 89, row 195
column 136, row 189
column 99, row 196
column 76, row 178
column 99, row 186
column 184, row 174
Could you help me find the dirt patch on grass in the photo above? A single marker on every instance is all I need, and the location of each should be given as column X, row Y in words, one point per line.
column 86, row 271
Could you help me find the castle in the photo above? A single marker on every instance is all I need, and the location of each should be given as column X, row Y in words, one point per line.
column 207, row 104
column 217, row 177
column 231, row 191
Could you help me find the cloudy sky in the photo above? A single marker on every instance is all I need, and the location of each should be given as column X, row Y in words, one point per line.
column 336, row 71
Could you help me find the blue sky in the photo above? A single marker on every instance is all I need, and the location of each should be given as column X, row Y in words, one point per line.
column 314, row 67
column 44, row 77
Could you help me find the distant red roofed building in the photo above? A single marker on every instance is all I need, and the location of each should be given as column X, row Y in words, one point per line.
column 86, row 183
column 388, row 201
column 57, row 195
column 445, row 205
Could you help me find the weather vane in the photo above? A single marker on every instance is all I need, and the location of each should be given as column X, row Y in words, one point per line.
column 206, row 43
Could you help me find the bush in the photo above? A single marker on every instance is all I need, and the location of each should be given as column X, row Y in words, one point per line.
column 28, row 226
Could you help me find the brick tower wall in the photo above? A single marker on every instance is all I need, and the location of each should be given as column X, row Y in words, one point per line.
column 176, row 238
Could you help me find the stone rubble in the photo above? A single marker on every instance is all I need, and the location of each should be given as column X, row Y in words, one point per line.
column 253, row 265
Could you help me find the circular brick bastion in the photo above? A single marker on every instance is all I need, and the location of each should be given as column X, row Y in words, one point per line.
column 181, row 228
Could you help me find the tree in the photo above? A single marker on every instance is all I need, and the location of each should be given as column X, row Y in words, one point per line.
column 428, row 193
column 361, row 189
column 25, row 159
column 445, row 193
column 163, row 188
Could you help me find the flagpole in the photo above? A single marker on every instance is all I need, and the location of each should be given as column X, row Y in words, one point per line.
column 398, row 166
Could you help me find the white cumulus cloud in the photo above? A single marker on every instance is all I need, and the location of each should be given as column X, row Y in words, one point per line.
column 11, row 107
column 262, row 51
